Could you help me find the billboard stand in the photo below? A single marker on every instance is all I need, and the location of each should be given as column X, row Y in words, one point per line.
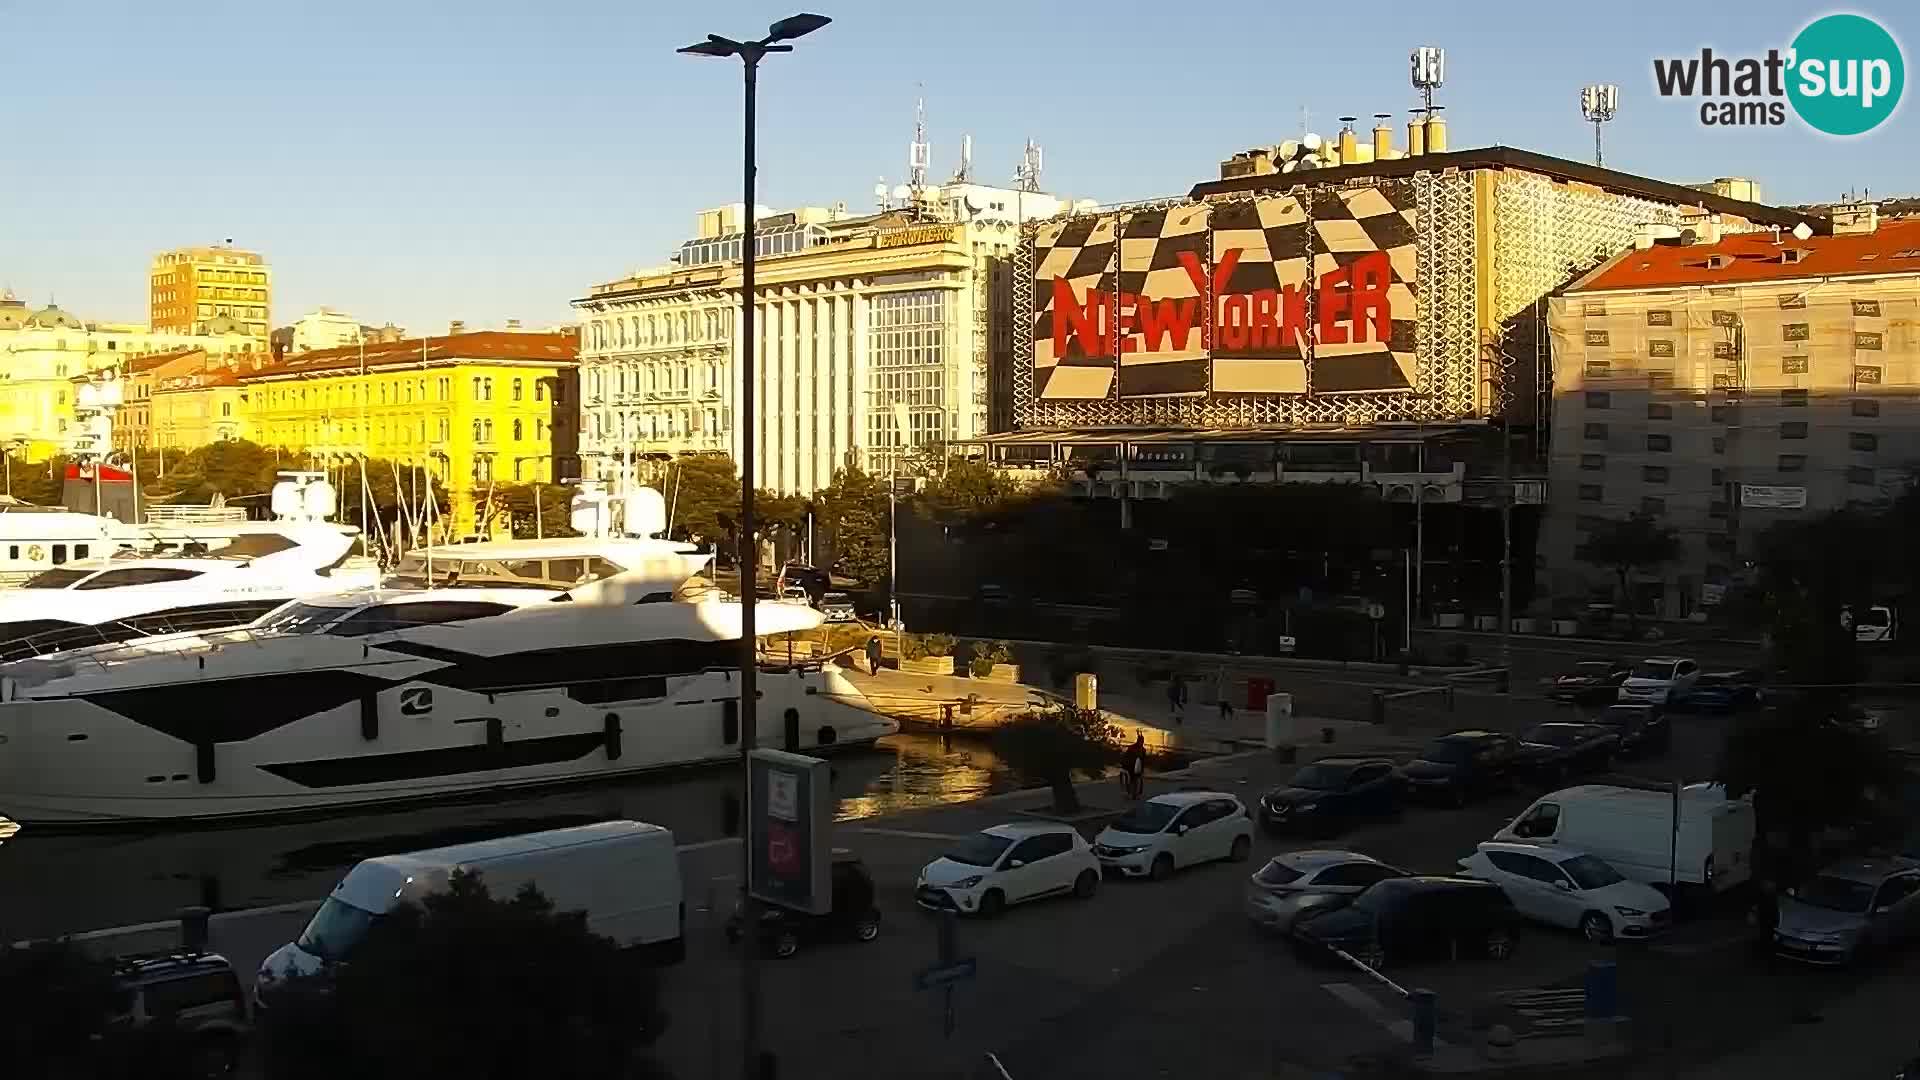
column 789, row 823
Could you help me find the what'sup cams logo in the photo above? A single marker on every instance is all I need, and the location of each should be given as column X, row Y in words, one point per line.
column 1842, row 75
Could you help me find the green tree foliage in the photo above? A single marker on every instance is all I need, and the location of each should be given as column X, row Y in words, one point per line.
column 391, row 484
column 703, row 496
column 234, row 469
column 515, row 503
column 852, row 514
column 42, row 482
column 1048, row 746
column 473, row 986
column 1626, row 545
column 965, row 491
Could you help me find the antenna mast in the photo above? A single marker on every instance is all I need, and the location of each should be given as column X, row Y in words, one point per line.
column 1598, row 104
column 918, row 154
column 1026, row 176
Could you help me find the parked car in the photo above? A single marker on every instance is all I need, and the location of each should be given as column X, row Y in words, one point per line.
column 198, row 993
column 1849, row 909
column 1178, row 829
column 1331, row 792
column 1008, row 864
column 795, row 594
column 1459, row 767
column 814, row 580
column 1416, row 918
column 838, row 608
column 1590, row 681
column 1659, row 680
column 1633, row 830
column 1562, row 886
column 1552, row 752
column 1642, row 729
column 1302, row 881
column 1726, row 691
column 854, row 916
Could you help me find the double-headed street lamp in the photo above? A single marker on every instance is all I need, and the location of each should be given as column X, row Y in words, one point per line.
column 750, row 54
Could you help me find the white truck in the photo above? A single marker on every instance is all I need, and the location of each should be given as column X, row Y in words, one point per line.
column 1633, row 829
column 625, row 875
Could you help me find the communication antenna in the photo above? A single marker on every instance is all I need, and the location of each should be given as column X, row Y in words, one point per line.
column 1026, row 176
column 1598, row 104
column 1429, row 63
column 919, row 153
column 964, row 174
column 880, row 193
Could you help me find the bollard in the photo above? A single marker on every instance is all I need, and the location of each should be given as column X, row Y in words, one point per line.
column 193, row 928
column 1378, row 708
column 1603, row 990
column 1425, row 1018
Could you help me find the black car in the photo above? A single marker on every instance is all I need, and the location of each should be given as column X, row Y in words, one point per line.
column 1643, row 729
column 1401, row 920
column 812, row 579
column 1552, row 752
column 1332, row 792
column 196, row 993
column 1725, row 691
column 1590, row 682
column 1460, row 767
column 854, row 916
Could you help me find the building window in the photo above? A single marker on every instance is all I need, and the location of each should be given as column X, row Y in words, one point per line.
column 1653, row 474
column 1598, row 369
column 539, row 429
column 226, row 409
column 1653, row 504
column 486, row 431
column 1862, row 441
column 1793, row 462
column 476, row 388
column 486, row 389
column 1659, row 412
column 1793, row 429
column 1593, row 462
column 1660, row 443
column 1719, row 444
column 1596, row 431
column 1793, row 365
column 1599, row 399
column 1723, row 414
column 1866, row 407
column 476, row 431
column 1860, row 474
column 539, row 389
column 516, row 389
column 517, row 435
column 1793, row 399
column 1590, row 493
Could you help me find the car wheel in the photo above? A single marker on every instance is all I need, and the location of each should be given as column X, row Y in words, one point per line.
column 1162, row 867
column 1597, row 928
column 867, row 928
column 1086, row 885
column 1242, row 844
column 785, row 944
column 1499, row 945
column 992, row 904
column 215, row 1058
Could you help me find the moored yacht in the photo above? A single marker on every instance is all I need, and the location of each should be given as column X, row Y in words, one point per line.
column 389, row 697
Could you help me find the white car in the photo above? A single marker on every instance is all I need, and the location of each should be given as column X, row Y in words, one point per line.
column 1171, row 831
column 1301, row 881
column 796, row 594
column 1564, row 887
column 1008, row 864
column 838, row 608
column 1659, row 680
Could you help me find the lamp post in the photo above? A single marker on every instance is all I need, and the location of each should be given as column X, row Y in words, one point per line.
column 750, row 53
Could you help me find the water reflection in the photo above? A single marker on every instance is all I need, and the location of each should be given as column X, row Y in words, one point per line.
column 53, row 883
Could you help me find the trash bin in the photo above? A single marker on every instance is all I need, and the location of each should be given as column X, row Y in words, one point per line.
column 1259, row 688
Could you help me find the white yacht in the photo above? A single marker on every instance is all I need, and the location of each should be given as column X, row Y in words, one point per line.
column 386, row 696
column 34, row 539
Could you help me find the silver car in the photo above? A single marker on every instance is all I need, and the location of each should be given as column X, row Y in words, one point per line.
column 1303, row 880
column 1849, row 908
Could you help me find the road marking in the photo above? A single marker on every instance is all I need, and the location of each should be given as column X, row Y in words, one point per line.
column 909, row 834
column 1359, row 999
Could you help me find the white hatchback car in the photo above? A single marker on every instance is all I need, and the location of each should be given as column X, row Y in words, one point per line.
column 1659, row 680
column 1564, row 887
column 1174, row 830
column 1008, row 864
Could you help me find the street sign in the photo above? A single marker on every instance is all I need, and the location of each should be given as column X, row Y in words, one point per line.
column 1376, row 612
column 789, row 813
column 946, row 974
column 1287, row 643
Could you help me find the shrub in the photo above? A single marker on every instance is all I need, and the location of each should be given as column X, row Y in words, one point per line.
column 986, row 654
column 1049, row 746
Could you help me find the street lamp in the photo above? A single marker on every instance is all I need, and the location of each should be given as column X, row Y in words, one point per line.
column 750, row 54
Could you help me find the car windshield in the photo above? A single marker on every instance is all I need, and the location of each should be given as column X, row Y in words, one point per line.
column 1449, row 751
column 1321, row 777
column 1835, row 894
column 838, row 598
column 1591, row 872
column 335, row 929
column 1277, row 873
column 1554, row 735
column 980, row 849
column 1648, row 669
column 1148, row 817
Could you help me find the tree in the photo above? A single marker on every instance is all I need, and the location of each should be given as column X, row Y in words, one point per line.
column 469, row 985
column 1626, row 545
column 853, row 511
column 1048, row 746
column 235, row 469
column 516, row 503
column 964, row 491
column 703, row 497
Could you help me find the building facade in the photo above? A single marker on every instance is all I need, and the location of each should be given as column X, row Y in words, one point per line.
column 476, row 409
column 860, row 323
column 1722, row 384
column 325, row 328
column 190, row 287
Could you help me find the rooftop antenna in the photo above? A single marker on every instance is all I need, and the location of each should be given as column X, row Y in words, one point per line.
column 1598, row 104
column 964, row 175
column 1026, row 176
column 880, row 193
column 919, row 153
column 1429, row 63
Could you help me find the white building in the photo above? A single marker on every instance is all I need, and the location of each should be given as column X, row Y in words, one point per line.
column 325, row 328
column 857, row 318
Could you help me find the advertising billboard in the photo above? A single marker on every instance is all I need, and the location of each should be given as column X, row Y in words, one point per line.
column 1301, row 293
column 789, row 818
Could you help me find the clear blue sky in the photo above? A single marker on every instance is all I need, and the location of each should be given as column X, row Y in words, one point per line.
column 421, row 160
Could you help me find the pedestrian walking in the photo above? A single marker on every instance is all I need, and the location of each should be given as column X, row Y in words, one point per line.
column 1226, row 698
column 1176, row 698
column 873, row 655
column 1133, row 766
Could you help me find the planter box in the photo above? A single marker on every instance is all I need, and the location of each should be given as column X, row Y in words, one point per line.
column 1450, row 620
column 1486, row 622
column 1526, row 624
column 1001, row 673
column 931, row 665
column 1566, row 627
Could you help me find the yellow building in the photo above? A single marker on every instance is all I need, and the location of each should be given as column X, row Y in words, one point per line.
column 190, row 287
column 196, row 400
column 475, row 408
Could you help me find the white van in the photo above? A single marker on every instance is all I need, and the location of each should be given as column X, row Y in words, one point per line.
column 1633, row 829
column 624, row 874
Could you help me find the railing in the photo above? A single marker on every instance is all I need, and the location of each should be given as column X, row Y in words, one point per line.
column 163, row 514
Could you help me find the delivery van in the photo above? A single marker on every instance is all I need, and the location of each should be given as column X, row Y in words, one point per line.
column 624, row 875
column 1632, row 829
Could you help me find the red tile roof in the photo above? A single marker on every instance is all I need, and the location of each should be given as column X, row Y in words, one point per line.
column 1891, row 249
column 482, row 345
